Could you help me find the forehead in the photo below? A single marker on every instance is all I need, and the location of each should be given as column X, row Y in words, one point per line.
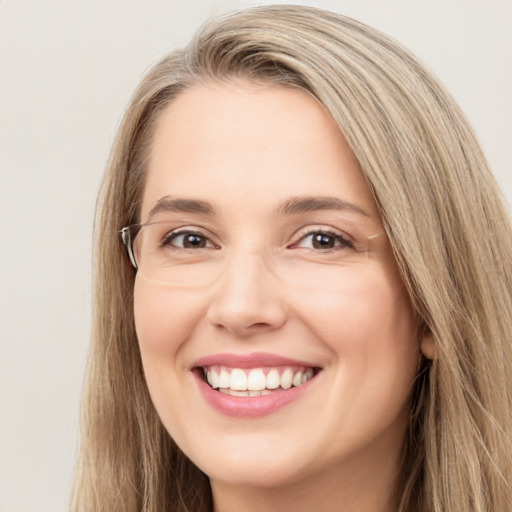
column 241, row 144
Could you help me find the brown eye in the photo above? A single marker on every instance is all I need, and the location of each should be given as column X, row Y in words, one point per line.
column 188, row 240
column 193, row 241
column 323, row 240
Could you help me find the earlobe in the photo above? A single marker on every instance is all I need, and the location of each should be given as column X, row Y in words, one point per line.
column 427, row 346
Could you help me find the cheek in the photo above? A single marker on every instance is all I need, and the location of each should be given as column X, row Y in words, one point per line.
column 374, row 339
column 369, row 324
column 362, row 307
column 164, row 320
column 163, row 317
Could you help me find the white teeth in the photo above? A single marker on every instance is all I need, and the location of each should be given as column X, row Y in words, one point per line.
column 224, row 379
column 256, row 381
column 286, row 379
column 273, row 379
column 297, row 379
column 235, row 392
column 240, row 382
column 213, row 379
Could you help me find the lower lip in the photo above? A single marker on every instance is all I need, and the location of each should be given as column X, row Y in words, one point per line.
column 254, row 406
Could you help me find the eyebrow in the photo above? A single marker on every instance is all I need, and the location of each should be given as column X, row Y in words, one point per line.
column 180, row 205
column 292, row 206
column 298, row 205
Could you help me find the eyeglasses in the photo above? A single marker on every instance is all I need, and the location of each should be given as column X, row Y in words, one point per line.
column 188, row 256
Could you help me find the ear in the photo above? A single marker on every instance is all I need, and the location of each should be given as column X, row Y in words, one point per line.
column 427, row 346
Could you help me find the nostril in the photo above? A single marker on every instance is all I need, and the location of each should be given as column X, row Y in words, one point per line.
column 256, row 318
column 242, row 329
column 259, row 325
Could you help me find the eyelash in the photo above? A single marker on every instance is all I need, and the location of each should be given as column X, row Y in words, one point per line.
column 173, row 235
column 343, row 241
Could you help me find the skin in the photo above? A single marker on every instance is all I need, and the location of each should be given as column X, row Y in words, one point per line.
column 245, row 149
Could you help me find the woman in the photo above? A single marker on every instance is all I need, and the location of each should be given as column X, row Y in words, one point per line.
column 315, row 309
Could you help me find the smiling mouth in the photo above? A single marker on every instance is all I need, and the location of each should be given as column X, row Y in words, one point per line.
column 254, row 382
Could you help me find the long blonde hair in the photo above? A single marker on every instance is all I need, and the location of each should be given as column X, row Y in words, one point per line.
column 445, row 218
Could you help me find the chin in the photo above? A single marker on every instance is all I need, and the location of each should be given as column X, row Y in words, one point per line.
column 257, row 470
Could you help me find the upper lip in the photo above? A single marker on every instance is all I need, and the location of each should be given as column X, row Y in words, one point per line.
column 252, row 360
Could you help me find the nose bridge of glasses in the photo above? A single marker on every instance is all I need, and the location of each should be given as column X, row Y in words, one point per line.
column 248, row 267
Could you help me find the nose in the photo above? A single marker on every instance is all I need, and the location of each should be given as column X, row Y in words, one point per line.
column 246, row 299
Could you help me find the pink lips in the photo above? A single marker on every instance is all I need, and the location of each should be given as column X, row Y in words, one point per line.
column 253, row 360
column 249, row 407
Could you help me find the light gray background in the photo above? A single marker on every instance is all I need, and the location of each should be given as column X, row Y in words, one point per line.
column 67, row 69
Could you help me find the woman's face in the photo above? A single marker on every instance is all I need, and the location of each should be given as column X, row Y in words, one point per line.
column 267, row 267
